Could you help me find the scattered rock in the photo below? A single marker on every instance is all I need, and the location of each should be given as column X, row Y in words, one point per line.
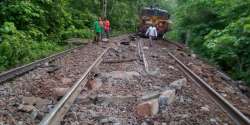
column 150, row 96
column 105, row 39
column 114, row 99
column 193, row 55
column 144, row 123
column 94, row 84
column 224, row 94
column 66, row 81
column 34, row 114
column 38, row 102
column 157, row 123
column 53, row 68
column 20, row 123
column 121, row 75
column 205, row 108
column 181, row 99
column 60, row 92
column 196, row 69
column 95, row 71
column 41, row 104
column 83, row 100
column 108, row 120
column 213, row 121
column 26, row 108
column 171, row 67
column 167, row 97
column 178, row 84
column 29, row 100
column 148, row 108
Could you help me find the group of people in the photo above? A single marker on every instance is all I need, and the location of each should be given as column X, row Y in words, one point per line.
column 101, row 27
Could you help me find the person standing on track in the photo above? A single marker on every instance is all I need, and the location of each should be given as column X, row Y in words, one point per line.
column 152, row 34
column 107, row 27
column 98, row 30
column 101, row 24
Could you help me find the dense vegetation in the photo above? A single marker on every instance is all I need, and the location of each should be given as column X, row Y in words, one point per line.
column 31, row 29
column 218, row 30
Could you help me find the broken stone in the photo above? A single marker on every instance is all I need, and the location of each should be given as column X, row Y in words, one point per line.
column 115, row 99
column 109, row 120
column 19, row 123
column 38, row 102
column 157, row 123
column 167, row 97
column 26, row 108
column 148, row 108
column 150, row 96
column 95, row 70
column 122, row 75
column 42, row 104
column 193, row 55
column 145, row 48
column 178, row 84
column 94, row 84
column 66, row 80
column 34, row 114
column 214, row 121
column 171, row 67
column 60, row 92
column 29, row 100
column 181, row 99
column 205, row 108
column 83, row 100
column 105, row 39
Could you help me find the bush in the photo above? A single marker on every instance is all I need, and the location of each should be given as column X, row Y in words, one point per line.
column 76, row 33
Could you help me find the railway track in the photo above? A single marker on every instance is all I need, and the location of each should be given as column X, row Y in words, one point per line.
column 238, row 117
column 56, row 115
column 23, row 69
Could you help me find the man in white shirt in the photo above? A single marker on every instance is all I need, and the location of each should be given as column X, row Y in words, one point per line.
column 151, row 33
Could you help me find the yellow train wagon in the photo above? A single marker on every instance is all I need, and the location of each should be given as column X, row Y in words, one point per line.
column 154, row 16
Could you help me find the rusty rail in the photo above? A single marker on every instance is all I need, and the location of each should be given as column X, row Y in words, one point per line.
column 61, row 108
column 23, row 69
column 238, row 117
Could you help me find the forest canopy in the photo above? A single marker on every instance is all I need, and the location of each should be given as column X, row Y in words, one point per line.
column 218, row 30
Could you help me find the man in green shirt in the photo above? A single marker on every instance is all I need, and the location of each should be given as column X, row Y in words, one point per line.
column 98, row 30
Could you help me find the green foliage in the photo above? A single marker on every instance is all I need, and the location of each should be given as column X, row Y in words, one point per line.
column 76, row 33
column 18, row 47
column 31, row 29
column 218, row 30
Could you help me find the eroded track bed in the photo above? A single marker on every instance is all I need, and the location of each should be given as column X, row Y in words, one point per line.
column 120, row 91
column 124, row 87
column 26, row 99
column 214, row 77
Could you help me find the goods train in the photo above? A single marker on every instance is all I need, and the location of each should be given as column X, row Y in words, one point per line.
column 154, row 16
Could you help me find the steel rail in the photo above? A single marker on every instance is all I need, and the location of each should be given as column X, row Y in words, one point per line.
column 61, row 108
column 143, row 57
column 238, row 117
column 25, row 68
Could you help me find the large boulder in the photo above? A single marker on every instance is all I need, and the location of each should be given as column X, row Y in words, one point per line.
column 148, row 108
